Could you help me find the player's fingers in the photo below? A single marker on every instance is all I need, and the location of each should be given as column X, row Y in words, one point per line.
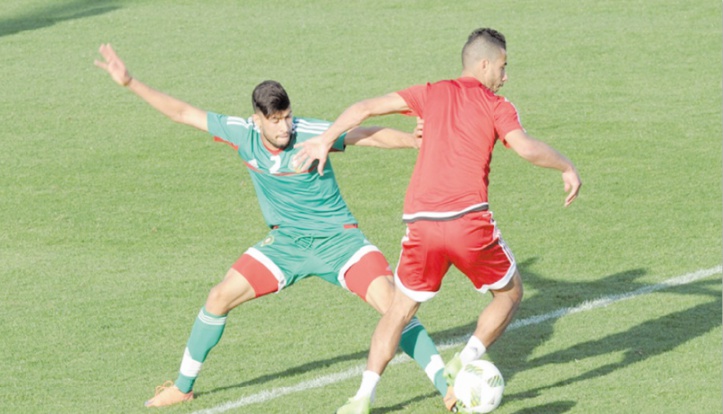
column 320, row 167
column 109, row 54
column 572, row 195
column 570, row 199
column 105, row 50
column 302, row 164
column 299, row 155
column 303, row 155
column 109, row 50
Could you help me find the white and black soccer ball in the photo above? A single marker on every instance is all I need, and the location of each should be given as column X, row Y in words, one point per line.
column 479, row 386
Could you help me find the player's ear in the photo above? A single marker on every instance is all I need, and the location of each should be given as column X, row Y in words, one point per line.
column 256, row 118
column 483, row 63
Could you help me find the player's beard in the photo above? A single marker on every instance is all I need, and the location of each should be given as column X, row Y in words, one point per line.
column 278, row 142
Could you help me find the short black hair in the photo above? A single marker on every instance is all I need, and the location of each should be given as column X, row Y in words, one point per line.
column 479, row 42
column 269, row 97
column 490, row 35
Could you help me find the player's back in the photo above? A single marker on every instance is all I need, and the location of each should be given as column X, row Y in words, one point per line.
column 451, row 173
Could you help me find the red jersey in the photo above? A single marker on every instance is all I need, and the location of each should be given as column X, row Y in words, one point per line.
column 462, row 121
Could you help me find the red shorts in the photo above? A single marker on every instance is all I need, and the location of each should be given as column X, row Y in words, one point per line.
column 472, row 243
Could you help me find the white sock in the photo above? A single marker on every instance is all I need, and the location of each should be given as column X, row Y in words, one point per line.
column 472, row 351
column 368, row 385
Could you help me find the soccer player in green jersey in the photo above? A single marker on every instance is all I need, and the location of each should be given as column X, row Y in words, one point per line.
column 312, row 231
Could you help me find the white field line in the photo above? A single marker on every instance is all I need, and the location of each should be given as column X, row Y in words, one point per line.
column 274, row 393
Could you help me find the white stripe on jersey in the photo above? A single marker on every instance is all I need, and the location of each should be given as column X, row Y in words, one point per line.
column 311, row 127
column 234, row 120
column 441, row 215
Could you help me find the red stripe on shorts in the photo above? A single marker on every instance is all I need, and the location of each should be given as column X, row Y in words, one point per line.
column 259, row 276
column 362, row 273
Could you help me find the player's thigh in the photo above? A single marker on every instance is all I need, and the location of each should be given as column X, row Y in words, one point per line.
column 512, row 290
column 273, row 263
column 379, row 293
column 423, row 261
column 481, row 253
column 358, row 266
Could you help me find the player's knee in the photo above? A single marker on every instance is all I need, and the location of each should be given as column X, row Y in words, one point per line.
column 379, row 294
column 227, row 295
column 218, row 299
column 513, row 291
column 403, row 307
column 517, row 291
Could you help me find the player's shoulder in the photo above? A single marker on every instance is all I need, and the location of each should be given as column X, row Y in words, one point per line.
column 230, row 120
column 502, row 101
column 309, row 127
column 247, row 123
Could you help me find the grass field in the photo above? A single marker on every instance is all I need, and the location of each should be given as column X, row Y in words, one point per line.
column 115, row 222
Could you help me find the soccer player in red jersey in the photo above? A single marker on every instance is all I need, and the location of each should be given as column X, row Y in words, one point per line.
column 448, row 218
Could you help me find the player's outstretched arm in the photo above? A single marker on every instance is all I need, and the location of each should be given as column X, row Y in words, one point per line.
column 380, row 137
column 388, row 138
column 543, row 155
column 318, row 148
column 169, row 106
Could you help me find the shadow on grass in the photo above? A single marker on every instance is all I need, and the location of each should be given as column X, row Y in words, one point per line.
column 513, row 349
column 57, row 13
column 290, row 372
column 646, row 340
column 550, row 408
column 403, row 406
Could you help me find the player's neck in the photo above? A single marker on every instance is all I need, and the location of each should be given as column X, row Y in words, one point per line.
column 272, row 149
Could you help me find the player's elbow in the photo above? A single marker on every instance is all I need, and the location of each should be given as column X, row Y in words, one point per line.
column 528, row 152
column 363, row 109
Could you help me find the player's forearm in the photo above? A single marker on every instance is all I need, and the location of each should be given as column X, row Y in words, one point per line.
column 352, row 117
column 169, row 106
column 539, row 153
column 380, row 137
column 547, row 157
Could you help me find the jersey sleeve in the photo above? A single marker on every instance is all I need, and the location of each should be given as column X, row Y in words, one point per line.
column 230, row 130
column 506, row 119
column 415, row 97
column 339, row 145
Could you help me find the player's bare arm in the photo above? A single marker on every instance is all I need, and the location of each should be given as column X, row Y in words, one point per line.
column 169, row 106
column 318, row 148
column 380, row 137
column 539, row 153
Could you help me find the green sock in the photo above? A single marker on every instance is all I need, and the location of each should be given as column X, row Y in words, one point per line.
column 205, row 334
column 416, row 343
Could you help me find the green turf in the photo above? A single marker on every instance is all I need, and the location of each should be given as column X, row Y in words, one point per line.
column 115, row 222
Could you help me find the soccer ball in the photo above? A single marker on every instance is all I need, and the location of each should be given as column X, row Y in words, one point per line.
column 479, row 386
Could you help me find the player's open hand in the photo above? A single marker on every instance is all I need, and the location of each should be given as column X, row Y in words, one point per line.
column 572, row 185
column 310, row 150
column 112, row 64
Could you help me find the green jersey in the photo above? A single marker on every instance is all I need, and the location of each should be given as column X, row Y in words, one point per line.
column 304, row 200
